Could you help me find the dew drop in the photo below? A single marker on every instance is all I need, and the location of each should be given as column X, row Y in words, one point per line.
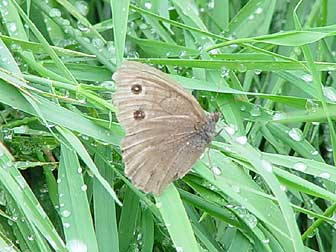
column 325, row 175
column 54, row 12
column 143, row 26
column 82, row 7
column 76, row 246
column 66, row 213
column 148, row 5
column 241, row 67
column 266, row 241
column 183, row 54
column 84, row 188
column 12, row 27
column 329, row 93
column 299, row 166
column 216, row 170
column 241, row 140
column 179, row 249
column 236, row 188
column 97, row 43
column 295, row 134
column 258, row 10
column 251, row 17
column 82, row 27
column 224, row 72
column 255, row 111
column 251, row 220
column 311, row 105
column 283, row 188
column 211, row 4
column 230, row 129
column 227, row 148
column 279, row 116
column 266, row 166
column 158, row 204
column 307, row 78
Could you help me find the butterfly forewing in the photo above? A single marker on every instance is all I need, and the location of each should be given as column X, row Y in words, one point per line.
column 160, row 120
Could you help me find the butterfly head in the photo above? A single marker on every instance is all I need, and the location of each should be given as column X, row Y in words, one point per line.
column 214, row 117
column 208, row 129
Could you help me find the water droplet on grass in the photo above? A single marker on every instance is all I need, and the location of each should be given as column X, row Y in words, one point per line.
column 300, row 166
column 76, row 246
column 325, row 175
column 54, row 12
column 241, row 140
column 148, row 5
column 295, row 134
column 216, row 170
column 266, row 165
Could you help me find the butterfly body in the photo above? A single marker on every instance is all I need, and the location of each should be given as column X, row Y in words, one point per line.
column 166, row 129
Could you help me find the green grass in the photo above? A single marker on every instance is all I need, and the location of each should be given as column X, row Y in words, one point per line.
column 268, row 66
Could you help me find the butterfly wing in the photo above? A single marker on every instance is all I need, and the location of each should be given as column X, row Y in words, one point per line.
column 159, row 119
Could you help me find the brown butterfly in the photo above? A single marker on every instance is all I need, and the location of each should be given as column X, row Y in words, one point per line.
column 166, row 129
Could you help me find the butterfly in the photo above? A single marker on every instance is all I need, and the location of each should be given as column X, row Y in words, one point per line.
column 166, row 130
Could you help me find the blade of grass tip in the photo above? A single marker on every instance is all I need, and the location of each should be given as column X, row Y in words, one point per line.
column 176, row 220
column 59, row 64
column 80, row 149
column 317, row 82
column 119, row 17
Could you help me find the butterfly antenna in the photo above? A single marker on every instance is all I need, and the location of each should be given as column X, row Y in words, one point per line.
column 220, row 131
